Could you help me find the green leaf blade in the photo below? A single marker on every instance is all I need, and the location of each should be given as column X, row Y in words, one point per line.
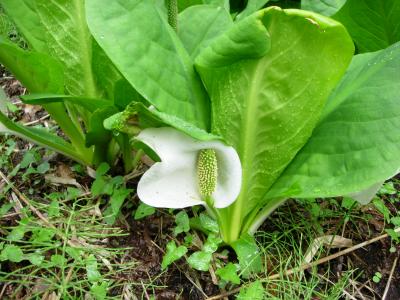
column 229, row 273
column 374, row 25
column 37, row 72
column 150, row 57
column 200, row 260
column 323, row 7
column 248, row 255
column 143, row 211
column 200, row 24
column 281, row 96
column 68, row 39
column 254, row 291
column 357, row 142
column 172, row 254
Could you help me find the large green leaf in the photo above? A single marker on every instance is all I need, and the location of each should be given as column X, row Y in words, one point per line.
column 323, row 7
column 357, row 142
column 150, row 56
column 69, row 40
column 36, row 71
column 266, row 103
column 106, row 74
column 374, row 25
column 58, row 27
column 200, row 24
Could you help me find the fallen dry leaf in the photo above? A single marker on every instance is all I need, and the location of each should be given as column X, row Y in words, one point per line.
column 333, row 241
column 30, row 112
column 64, row 171
column 61, row 180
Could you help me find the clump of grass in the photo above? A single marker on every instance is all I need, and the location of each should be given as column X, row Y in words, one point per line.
column 56, row 244
column 284, row 243
column 69, row 256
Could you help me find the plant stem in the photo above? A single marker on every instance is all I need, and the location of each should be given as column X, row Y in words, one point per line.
column 233, row 223
column 137, row 158
column 172, row 7
column 262, row 216
column 129, row 160
column 58, row 112
column 230, row 226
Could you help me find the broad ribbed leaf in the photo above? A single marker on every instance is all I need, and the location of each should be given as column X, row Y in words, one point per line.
column 357, row 142
column 323, row 7
column 69, row 40
column 58, row 28
column 200, row 24
column 373, row 25
column 150, row 56
column 105, row 73
column 267, row 106
column 37, row 72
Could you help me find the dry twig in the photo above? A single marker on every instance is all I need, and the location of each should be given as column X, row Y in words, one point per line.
column 390, row 279
column 37, row 121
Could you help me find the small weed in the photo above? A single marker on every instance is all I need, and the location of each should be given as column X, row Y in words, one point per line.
column 377, row 277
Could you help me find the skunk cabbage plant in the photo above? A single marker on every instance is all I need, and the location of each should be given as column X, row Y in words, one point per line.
column 243, row 111
column 274, row 82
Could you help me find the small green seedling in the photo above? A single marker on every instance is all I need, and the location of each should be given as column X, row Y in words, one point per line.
column 377, row 277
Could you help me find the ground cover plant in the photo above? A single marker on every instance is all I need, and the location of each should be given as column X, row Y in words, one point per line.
column 237, row 108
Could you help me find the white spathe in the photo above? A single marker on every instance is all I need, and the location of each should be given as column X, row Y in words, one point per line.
column 173, row 182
